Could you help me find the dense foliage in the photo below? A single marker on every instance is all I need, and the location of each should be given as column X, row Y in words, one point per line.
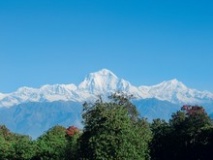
column 14, row 146
column 188, row 135
column 114, row 130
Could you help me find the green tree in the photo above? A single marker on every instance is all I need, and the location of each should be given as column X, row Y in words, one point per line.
column 187, row 126
column 205, row 144
column 15, row 146
column 160, row 145
column 52, row 144
column 123, row 99
column 111, row 132
column 5, row 145
column 4, row 148
column 24, row 148
column 186, row 136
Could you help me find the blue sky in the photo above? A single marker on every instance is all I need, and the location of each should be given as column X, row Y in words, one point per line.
column 143, row 41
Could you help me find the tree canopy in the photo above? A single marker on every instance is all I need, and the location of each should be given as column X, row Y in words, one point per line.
column 187, row 135
column 113, row 131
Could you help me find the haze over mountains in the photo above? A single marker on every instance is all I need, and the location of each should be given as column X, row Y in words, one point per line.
column 34, row 110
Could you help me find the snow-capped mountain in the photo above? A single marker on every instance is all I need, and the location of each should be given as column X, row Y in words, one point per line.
column 104, row 82
column 32, row 111
column 176, row 92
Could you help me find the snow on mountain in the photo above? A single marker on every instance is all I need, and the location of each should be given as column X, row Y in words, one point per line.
column 104, row 82
column 176, row 92
column 2, row 96
column 99, row 82
column 47, row 93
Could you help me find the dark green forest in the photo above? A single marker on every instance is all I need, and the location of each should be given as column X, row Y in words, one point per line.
column 114, row 130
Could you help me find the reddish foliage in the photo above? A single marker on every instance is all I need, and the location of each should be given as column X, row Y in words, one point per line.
column 192, row 110
column 72, row 130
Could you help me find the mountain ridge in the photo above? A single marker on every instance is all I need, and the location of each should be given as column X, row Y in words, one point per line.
column 32, row 111
column 105, row 82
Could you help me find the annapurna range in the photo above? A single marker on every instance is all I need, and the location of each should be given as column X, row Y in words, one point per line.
column 34, row 110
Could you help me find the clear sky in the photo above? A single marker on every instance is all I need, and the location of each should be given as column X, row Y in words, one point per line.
column 143, row 41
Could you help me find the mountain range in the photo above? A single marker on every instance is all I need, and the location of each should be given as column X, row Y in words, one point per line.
column 34, row 110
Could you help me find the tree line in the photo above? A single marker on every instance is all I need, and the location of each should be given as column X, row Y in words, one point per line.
column 114, row 130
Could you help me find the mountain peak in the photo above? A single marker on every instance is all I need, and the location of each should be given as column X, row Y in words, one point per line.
column 104, row 72
column 174, row 81
column 100, row 81
column 171, row 83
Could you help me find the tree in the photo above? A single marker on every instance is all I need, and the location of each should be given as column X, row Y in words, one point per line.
column 52, row 144
column 123, row 99
column 24, row 148
column 188, row 135
column 205, row 144
column 72, row 136
column 5, row 145
column 160, row 145
column 111, row 132
column 15, row 146
column 4, row 148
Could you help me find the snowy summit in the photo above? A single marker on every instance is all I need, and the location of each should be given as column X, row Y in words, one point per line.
column 104, row 82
